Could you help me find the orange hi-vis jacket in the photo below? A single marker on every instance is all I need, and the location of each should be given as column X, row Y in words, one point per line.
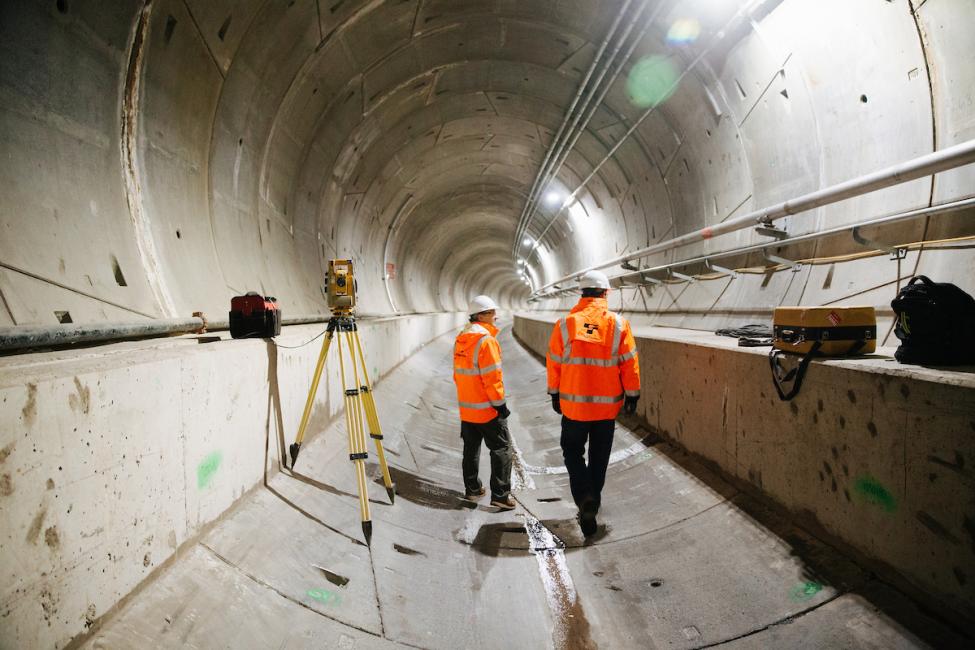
column 592, row 362
column 477, row 373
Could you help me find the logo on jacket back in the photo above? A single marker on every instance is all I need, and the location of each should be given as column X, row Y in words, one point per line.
column 590, row 328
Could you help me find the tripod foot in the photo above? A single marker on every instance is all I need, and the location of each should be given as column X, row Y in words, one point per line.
column 391, row 491
column 367, row 532
column 294, row 449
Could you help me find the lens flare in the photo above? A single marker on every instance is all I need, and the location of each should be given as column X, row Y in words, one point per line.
column 651, row 81
column 684, row 31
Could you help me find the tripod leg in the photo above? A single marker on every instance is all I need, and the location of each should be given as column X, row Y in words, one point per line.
column 357, row 447
column 296, row 447
column 375, row 430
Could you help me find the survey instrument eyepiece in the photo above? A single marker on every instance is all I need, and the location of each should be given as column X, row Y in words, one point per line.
column 340, row 286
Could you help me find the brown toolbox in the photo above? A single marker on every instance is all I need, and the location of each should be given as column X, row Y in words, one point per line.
column 840, row 331
column 817, row 332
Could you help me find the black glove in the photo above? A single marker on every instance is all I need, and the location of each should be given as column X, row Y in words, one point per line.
column 503, row 411
column 629, row 404
column 555, row 404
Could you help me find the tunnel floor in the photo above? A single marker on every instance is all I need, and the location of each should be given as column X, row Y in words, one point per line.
column 682, row 559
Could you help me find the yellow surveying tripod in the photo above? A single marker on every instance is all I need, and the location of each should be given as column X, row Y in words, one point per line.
column 360, row 407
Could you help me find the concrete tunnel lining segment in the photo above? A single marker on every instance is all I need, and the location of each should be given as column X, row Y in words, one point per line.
column 266, row 137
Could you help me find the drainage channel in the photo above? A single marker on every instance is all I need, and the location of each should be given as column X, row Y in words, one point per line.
column 521, row 478
column 570, row 629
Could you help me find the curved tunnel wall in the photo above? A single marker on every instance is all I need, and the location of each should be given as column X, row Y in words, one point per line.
column 164, row 155
column 160, row 156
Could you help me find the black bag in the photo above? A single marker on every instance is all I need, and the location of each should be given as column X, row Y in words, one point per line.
column 935, row 324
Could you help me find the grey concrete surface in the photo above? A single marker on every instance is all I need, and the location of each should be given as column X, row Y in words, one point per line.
column 114, row 457
column 871, row 452
column 682, row 558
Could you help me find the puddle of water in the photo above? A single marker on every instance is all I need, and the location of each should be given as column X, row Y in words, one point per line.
column 570, row 629
column 421, row 491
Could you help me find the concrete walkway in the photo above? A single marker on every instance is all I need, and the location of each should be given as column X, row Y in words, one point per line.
column 682, row 560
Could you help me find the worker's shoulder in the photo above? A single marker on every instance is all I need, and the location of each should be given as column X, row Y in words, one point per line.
column 475, row 329
column 480, row 331
column 620, row 318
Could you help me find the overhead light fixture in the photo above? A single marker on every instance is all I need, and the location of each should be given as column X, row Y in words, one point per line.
column 527, row 241
column 553, row 197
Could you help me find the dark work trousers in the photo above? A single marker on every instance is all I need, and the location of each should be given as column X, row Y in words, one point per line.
column 586, row 480
column 496, row 438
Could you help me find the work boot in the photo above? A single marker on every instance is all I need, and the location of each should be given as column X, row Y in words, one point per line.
column 480, row 492
column 587, row 517
column 503, row 503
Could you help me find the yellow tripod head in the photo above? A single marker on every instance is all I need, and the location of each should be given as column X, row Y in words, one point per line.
column 340, row 287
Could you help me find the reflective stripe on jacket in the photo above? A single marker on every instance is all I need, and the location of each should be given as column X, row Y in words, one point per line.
column 592, row 362
column 477, row 373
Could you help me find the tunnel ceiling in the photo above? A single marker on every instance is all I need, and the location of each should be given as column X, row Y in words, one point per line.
column 411, row 132
column 221, row 146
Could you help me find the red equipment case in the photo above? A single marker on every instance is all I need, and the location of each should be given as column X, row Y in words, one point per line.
column 254, row 316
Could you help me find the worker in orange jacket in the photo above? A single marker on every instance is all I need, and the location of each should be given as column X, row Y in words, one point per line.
column 480, row 396
column 593, row 371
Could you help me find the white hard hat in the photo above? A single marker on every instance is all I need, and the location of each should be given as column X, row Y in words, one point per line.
column 479, row 304
column 593, row 280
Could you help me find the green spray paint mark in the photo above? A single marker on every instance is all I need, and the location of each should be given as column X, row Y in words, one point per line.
column 206, row 469
column 324, row 596
column 870, row 490
column 805, row 590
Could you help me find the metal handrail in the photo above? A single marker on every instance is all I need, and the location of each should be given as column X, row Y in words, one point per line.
column 932, row 163
column 935, row 210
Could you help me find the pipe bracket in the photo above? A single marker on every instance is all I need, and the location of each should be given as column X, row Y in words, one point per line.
column 793, row 265
column 895, row 253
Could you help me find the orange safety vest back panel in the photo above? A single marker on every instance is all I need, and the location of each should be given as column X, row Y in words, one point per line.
column 592, row 362
column 477, row 373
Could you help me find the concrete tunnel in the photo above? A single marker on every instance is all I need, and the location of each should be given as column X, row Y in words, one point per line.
column 716, row 158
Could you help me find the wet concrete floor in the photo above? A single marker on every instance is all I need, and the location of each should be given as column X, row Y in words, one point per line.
column 681, row 559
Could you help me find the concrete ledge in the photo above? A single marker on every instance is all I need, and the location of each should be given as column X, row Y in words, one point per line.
column 112, row 457
column 879, row 454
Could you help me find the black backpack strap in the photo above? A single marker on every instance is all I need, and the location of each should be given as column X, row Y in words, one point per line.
column 780, row 376
column 794, row 375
